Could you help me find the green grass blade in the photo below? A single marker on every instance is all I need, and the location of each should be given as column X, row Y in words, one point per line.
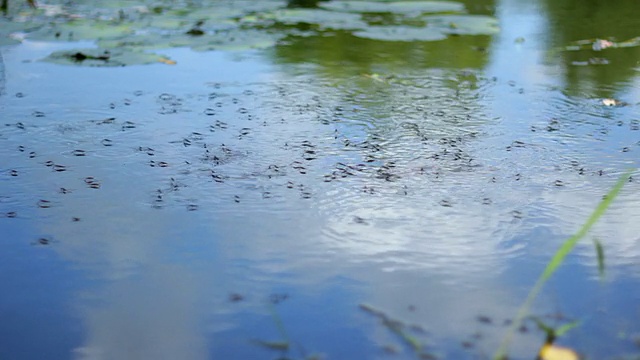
column 557, row 260
column 600, row 253
column 566, row 327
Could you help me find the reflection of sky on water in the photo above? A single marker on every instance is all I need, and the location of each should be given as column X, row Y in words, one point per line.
column 154, row 283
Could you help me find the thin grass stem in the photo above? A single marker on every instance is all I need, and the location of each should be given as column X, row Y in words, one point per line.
column 557, row 260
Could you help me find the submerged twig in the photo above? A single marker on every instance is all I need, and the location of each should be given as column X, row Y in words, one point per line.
column 395, row 326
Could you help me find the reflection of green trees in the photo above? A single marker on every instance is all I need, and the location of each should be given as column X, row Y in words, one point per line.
column 337, row 52
column 572, row 20
column 343, row 52
column 303, row 3
column 340, row 55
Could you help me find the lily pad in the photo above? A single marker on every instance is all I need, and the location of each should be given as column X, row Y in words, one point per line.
column 236, row 9
column 6, row 39
column 231, row 39
column 141, row 42
column 104, row 57
column 464, row 24
column 322, row 18
column 398, row 7
column 9, row 28
column 175, row 23
column 401, row 33
column 600, row 44
column 82, row 29
column 236, row 40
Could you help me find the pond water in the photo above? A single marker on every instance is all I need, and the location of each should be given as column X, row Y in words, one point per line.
column 283, row 202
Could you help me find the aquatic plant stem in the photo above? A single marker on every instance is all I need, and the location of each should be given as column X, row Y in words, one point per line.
column 557, row 260
column 279, row 323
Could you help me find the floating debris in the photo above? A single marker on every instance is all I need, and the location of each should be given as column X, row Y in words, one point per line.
column 613, row 102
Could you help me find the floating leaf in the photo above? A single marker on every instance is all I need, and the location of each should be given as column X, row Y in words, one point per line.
column 591, row 61
column 145, row 42
column 464, row 24
column 233, row 39
column 103, row 57
column 236, row 39
column 399, row 7
column 630, row 43
column 400, row 33
column 322, row 18
column 10, row 29
column 236, row 9
column 82, row 29
column 5, row 39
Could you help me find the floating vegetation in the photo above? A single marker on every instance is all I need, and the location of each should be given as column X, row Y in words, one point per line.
column 81, row 29
column 463, row 24
column 126, row 31
column 230, row 39
column 322, row 19
column 601, row 44
column 105, row 57
column 397, row 7
column 400, row 33
column 10, row 31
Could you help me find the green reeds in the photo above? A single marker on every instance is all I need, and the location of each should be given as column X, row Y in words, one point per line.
column 557, row 260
